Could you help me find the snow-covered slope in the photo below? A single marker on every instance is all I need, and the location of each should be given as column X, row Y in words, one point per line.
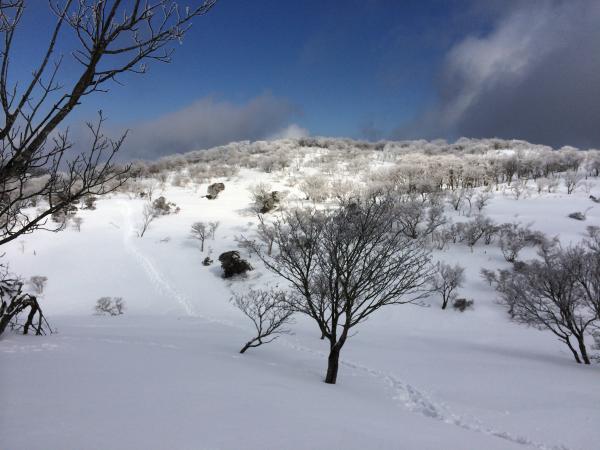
column 167, row 374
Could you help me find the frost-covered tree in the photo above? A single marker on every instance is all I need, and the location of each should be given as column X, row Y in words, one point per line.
column 38, row 282
column 514, row 237
column 345, row 264
column 546, row 294
column 315, row 187
column 445, row 280
column 14, row 301
column 200, row 231
column 212, row 228
column 573, row 180
column 77, row 221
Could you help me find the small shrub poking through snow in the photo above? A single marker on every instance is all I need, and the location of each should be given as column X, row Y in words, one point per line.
column 162, row 207
column 114, row 306
column 207, row 261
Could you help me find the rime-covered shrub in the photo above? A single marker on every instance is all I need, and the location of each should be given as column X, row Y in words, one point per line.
column 162, row 207
column 112, row 306
column 38, row 282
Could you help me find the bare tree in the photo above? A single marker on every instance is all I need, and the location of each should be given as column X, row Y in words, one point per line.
column 343, row 265
column 77, row 221
column 110, row 38
column 13, row 301
column 212, row 228
column 268, row 310
column 456, row 197
column 572, row 180
column 583, row 263
column 410, row 215
column 482, row 199
column 514, row 238
column 113, row 306
column 265, row 234
column 200, row 231
column 148, row 215
column 445, row 280
column 545, row 294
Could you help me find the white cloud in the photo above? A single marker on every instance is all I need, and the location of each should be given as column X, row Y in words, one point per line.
column 207, row 123
column 292, row 131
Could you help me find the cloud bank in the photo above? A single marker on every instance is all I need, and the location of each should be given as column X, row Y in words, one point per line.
column 207, row 123
column 534, row 76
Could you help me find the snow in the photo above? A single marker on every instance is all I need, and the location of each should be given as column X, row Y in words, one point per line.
column 167, row 374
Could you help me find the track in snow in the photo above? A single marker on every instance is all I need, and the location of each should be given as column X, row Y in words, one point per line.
column 410, row 397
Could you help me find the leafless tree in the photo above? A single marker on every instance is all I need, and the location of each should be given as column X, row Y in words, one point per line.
column 111, row 306
column 480, row 227
column 572, row 180
column 435, row 217
column 77, row 221
column 468, row 195
column 268, row 310
column 456, row 197
column 519, row 187
column 315, row 187
column 200, row 231
column 410, row 215
column 514, row 237
column 583, row 263
column 545, row 294
column 482, row 199
column 107, row 38
column 212, row 228
column 148, row 216
column 445, row 280
column 344, row 264
column 265, row 234
column 13, row 301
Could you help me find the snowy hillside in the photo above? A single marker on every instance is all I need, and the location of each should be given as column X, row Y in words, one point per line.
column 168, row 373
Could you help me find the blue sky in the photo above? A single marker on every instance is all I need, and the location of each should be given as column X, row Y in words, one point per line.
column 363, row 69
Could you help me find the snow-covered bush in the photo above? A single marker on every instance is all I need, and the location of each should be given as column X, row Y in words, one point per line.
column 38, row 282
column 162, row 207
column 112, row 306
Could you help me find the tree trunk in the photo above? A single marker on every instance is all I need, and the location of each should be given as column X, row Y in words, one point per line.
column 4, row 321
column 583, row 350
column 332, row 365
column 246, row 347
column 575, row 354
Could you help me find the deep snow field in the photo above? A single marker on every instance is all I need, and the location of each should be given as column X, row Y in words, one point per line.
column 167, row 374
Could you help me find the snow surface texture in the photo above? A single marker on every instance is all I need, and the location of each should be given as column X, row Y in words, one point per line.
column 167, row 374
